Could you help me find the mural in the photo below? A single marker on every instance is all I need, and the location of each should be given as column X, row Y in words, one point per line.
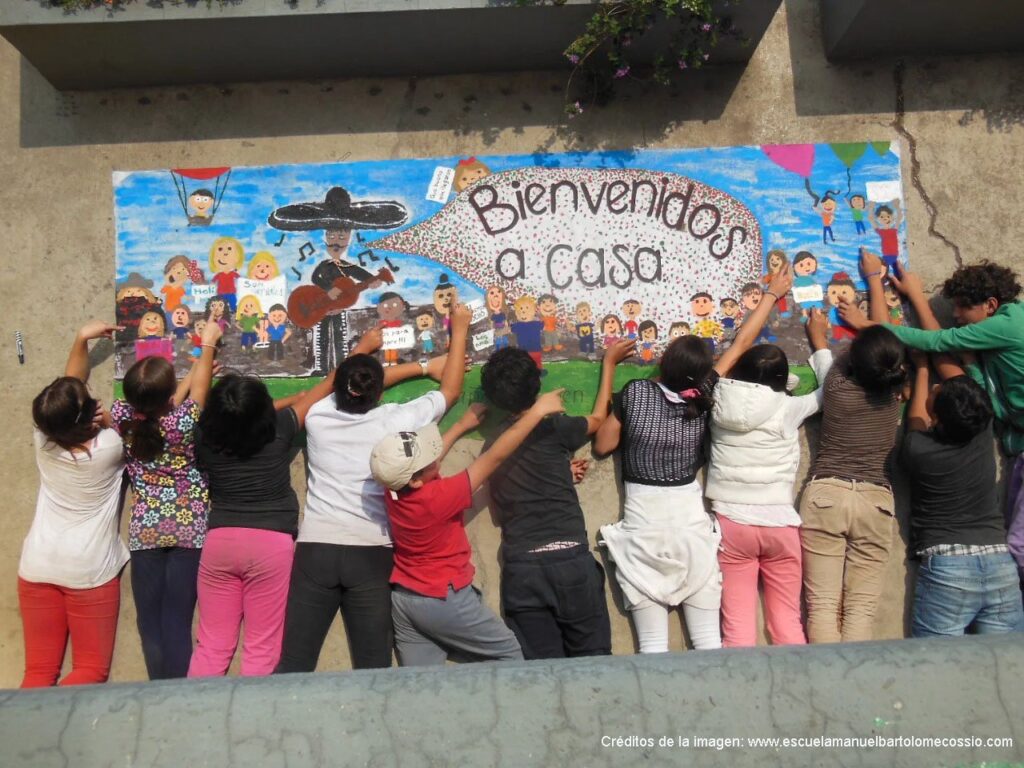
column 557, row 254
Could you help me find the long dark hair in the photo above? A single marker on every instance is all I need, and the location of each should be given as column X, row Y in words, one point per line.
column 686, row 364
column 878, row 361
column 764, row 364
column 148, row 387
column 239, row 417
column 64, row 411
column 358, row 384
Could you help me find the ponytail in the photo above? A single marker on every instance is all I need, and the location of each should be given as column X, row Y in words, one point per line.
column 148, row 387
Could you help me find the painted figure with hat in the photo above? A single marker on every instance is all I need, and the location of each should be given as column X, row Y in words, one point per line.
column 338, row 216
column 133, row 299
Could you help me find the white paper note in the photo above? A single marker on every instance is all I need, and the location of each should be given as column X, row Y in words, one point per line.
column 441, row 184
column 403, row 337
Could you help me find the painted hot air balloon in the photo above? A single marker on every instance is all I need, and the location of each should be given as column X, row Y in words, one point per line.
column 198, row 201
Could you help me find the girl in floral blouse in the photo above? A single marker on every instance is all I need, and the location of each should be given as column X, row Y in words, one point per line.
column 157, row 421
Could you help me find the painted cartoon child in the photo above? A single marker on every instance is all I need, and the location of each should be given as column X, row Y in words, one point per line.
column 263, row 266
column 200, row 202
column 497, row 309
column 197, row 337
column 584, row 328
column 805, row 266
column 176, row 274
column 894, row 304
column 276, row 331
column 248, row 320
column 750, row 296
column 133, row 299
column 702, row 305
column 425, row 332
column 181, row 320
column 547, row 305
column 528, row 328
column 152, row 340
column 777, row 260
column 840, row 289
column 226, row 258
column 886, row 224
column 631, row 310
column 216, row 311
column 611, row 330
column 857, row 205
column 468, row 172
column 444, row 300
column 648, row 341
column 826, row 207
column 729, row 308
column 677, row 329
column 391, row 309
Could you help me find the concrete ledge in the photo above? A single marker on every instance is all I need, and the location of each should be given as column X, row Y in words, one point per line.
column 549, row 713
column 258, row 40
column 862, row 29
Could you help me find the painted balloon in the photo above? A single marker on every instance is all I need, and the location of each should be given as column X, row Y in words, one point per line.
column 849, row 154
column 798, row 158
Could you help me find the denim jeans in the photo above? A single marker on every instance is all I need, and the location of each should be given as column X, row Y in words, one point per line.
column 955, row 592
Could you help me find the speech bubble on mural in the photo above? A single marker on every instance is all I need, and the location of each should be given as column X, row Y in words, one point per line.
column 594, row 235
column 269, row 292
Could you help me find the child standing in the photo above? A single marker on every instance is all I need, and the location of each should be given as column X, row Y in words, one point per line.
column 69, row 576
column 245, row 448
column 847, row 508
column 755, row 455
column 552, row 588
column 665, row 547
column 967, row 577
column 437, row 612
column 157, row 420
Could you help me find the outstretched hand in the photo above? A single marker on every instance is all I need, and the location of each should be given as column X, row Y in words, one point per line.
column 549, row 403
column 369, row 342
column 871, row 263
column 620, row 350
column 97, row 329
column 853, row 316
column 781, row 281
column 907, row 283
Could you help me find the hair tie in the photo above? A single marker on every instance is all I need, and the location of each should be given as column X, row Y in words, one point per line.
column 689, row 394
column 353, row 392
column 139, row 416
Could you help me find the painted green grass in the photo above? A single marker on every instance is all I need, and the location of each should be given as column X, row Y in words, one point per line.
column 578, row 378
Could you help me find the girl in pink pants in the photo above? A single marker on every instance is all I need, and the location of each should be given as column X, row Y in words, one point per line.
column 245, row 447
column 755, row 455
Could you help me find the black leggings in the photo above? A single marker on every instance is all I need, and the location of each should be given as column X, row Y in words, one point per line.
column 164, row 588
column 326, row 577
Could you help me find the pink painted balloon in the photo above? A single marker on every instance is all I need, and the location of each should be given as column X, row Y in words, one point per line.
column 797, row 158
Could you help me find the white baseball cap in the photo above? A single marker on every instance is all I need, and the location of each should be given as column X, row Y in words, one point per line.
column 398, row 457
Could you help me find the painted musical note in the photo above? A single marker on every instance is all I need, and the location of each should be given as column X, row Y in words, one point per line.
column 278, row 243
column 306, row 249
column 298, row 275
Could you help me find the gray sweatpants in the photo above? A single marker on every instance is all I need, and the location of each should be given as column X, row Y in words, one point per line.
column 430, row 630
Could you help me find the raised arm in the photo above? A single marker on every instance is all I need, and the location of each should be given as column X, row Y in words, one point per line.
column 455, row 366
column 470, row 420
column 608, row 435
column 614, row 355
column 909, row 284
column 779, row 286
column 182, row 390
column 512, row 438
column 918, row 418
column 202, row 371
column 77, row 366
column 872, row 269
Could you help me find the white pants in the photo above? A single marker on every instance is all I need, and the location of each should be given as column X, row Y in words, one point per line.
column 651, row 622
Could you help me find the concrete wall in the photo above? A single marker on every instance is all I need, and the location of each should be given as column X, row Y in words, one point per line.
column 959, row 120
column 581, row 712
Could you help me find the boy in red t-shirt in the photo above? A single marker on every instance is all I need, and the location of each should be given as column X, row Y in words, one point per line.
column 437, row 612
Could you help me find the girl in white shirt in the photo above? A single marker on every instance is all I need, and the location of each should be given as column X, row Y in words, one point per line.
column 755, row 454
column 69, row 574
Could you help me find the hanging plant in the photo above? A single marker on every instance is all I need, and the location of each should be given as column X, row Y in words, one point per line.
column 602, row 54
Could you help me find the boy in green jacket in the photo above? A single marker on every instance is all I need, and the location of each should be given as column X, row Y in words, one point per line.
column 990, row 323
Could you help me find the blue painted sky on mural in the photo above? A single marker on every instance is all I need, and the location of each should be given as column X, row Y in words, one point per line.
column 152, row 227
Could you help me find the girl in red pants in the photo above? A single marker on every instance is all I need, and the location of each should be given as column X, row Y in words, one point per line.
column 69, row 574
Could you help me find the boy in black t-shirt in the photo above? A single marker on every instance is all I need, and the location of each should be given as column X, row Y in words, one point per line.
column 552, row 588
column 967, row 576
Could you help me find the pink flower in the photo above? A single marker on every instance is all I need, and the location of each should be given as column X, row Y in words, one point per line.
column 682, row 63
column 622, row 71
column 573, row 58
column 707, row 56
column 706, row 27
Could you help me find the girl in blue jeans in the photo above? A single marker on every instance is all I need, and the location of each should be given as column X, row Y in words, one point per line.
column 967, row 578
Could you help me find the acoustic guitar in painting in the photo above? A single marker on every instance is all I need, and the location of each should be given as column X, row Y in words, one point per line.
column 309, row 304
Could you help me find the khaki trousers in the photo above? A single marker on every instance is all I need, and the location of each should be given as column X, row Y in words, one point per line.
column 847, row 535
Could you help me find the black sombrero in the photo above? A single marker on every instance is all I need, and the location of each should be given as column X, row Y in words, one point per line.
column 337, row 211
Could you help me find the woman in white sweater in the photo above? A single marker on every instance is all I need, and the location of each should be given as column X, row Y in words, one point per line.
column 71, row 561
column 755, row 455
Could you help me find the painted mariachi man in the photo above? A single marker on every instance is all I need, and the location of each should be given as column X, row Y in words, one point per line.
column 338, row 215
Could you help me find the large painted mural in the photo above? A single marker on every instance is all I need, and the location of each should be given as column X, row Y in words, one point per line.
column 559, row 254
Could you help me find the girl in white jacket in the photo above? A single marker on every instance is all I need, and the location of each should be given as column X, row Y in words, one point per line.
column 755, row 454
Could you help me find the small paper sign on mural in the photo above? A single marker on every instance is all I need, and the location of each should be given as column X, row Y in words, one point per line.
column 441, row 184
column 398, row 338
